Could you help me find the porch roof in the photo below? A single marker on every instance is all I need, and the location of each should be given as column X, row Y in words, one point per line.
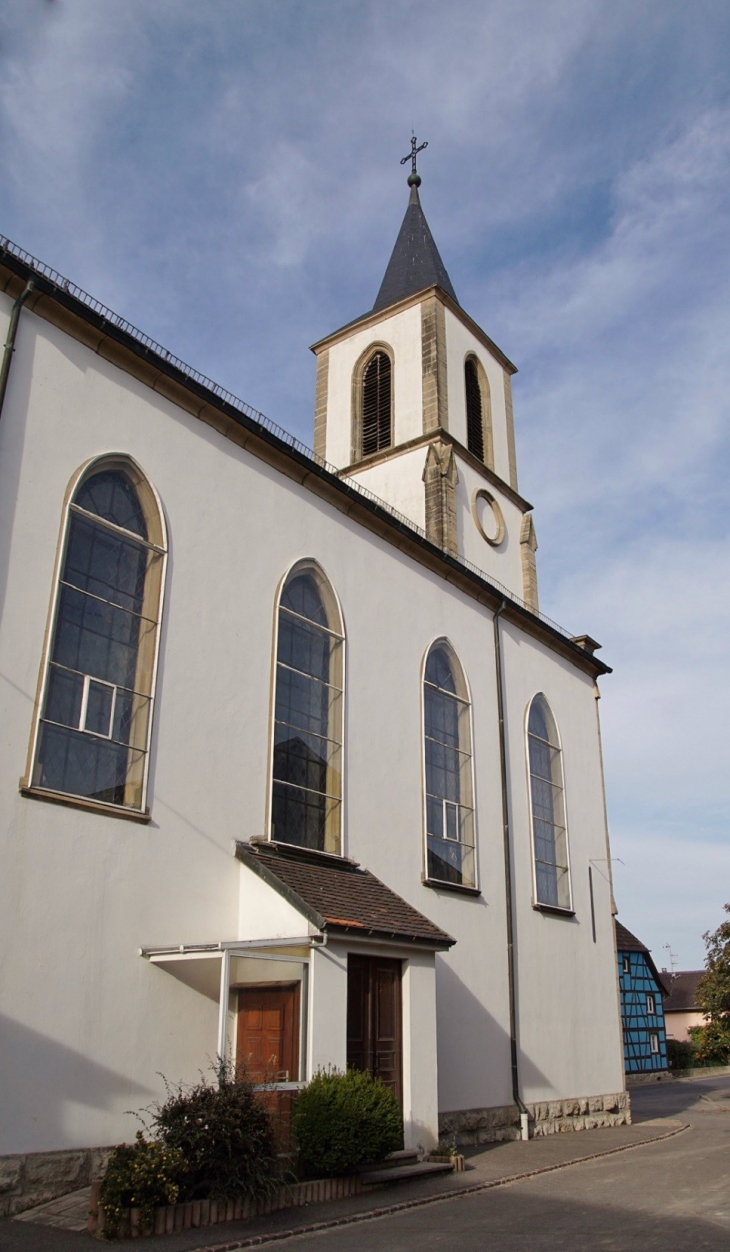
column 338, row 896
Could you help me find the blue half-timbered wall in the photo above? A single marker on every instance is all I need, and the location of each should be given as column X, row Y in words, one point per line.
column 637, row 984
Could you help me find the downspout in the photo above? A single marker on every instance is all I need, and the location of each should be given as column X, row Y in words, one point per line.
column 524, row 1116
column 10, row 341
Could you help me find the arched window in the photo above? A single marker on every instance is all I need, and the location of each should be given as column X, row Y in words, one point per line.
column 550, row 841
column 478, row 411
column 376, row 410
column 449, row 791
column 306, row 791
column 96, row 711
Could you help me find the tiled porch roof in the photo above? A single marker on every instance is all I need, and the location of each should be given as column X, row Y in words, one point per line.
column 338, row 896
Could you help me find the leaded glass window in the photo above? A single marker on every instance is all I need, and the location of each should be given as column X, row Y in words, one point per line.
column 449, row 806
column 307, row 755
column 550, row 842
column 96, row 710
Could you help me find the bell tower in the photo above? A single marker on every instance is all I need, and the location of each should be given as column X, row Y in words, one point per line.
column 414, row 401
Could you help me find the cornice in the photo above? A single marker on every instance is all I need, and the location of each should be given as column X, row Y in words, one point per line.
column 372, row 319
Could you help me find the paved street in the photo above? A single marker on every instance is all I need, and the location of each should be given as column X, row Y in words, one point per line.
column 671, row 1195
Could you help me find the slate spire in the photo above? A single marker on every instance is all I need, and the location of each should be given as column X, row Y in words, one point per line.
column 415, row 262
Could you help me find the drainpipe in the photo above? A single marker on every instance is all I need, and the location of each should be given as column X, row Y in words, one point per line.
column 524, row 1116
column 10, row 342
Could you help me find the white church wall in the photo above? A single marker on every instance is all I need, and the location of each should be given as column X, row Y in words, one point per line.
column 264, row 914
column 102, row 1020
column 459, row 343
column 402, row 333
column 399, row 481
column 503, row 562
column 569, row 1029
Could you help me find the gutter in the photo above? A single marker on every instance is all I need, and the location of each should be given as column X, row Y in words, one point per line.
column 10, row 341
column 507, row 842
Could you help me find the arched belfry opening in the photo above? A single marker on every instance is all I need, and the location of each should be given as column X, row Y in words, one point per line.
column 376, row 404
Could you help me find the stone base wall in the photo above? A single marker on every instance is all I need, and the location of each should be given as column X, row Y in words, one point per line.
column 32, row 1178
column 471, row 1127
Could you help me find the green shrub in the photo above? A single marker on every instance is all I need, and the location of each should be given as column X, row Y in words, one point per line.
column 341, row 1121
column 680, row 1054
column 225, row 1136
column 139, row 1175
column 711, row 1043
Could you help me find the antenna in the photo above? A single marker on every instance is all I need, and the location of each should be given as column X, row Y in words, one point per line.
column 672, row 956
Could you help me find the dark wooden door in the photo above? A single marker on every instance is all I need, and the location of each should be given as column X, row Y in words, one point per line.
column 374, row 1019
column 267, row 1040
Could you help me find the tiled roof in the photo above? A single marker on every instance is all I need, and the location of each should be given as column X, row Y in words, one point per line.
column 415, row 262
column 626, row 942
column 338, row 896
column 682, row 991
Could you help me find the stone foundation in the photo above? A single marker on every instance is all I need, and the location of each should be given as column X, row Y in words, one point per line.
column 33, row 1178
column 471, row 1127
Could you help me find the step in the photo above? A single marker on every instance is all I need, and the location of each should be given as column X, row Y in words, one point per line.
column 406, row 1156
column 404, row 1173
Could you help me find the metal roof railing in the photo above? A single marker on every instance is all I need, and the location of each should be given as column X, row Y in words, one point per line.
column 254, row 415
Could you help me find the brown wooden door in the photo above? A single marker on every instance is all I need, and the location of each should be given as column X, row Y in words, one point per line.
column 267, row 1041
column 374, row 1022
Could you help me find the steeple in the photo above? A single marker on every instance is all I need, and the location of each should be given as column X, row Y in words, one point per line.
column 415, row 262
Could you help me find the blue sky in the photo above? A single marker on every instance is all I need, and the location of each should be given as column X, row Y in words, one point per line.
column 225, row 174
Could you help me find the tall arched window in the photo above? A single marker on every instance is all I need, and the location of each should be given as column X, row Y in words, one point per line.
column 96, row 711
column 307, row 754
column 478, row 411
column 448, row 773
column 547, row 796
column 376, row 417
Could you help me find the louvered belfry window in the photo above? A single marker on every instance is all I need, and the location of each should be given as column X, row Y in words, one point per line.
column 376, row 404
column 474, row 414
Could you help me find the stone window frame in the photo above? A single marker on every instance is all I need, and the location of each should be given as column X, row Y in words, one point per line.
column 566, row 910
column 358, row 377
column 650, row 1004
column 147, row 657
column 334, row 831
column 464, row 695
column 485, row 392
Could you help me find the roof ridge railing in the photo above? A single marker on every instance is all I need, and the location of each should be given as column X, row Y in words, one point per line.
column 285, row 436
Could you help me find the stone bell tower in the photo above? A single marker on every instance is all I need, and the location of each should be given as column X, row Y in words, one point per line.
column 414, row 401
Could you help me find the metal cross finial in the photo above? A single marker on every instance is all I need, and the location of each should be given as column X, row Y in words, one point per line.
column 414, row 178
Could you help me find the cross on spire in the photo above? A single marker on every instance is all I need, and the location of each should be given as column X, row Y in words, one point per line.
column 414, row 178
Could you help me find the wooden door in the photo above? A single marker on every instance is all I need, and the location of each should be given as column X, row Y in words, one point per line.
column 267, row 1040
column 267, row 1044
column 374, row 1020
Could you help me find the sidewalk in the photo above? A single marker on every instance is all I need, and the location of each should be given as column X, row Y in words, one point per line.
column 493, row 1166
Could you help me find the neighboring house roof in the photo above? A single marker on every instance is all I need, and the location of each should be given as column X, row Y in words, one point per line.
column 627, row 942
column 336, row 895
column 415, row 262
column 682, row 997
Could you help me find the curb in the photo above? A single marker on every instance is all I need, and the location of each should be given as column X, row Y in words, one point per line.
column 279, row 1236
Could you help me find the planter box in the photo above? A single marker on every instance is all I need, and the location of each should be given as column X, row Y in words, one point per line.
column 197, row 1213
column 456, row 1160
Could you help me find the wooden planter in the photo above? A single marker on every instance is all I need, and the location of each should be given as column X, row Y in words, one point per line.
column 456, row 1160
column 195, row 1213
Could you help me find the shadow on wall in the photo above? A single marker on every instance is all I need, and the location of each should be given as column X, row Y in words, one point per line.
column 478, row 1074
column 40, row 1079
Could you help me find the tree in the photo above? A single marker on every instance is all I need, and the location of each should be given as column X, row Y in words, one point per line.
column 713, row 997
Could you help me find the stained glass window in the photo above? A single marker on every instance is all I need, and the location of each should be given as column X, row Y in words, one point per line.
column 307, row 770
column 550, row 843
column 96, row 711
column 449, row 808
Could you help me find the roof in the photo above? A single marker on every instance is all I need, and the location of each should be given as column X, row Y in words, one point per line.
column 415, row 262
column 338, row 896
column 682, row 995
column 626, row 942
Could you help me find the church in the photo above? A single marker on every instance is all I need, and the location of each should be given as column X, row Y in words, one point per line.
column 294, row 770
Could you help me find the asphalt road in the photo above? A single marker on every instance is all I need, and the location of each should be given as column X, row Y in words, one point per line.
column 671, row 1196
